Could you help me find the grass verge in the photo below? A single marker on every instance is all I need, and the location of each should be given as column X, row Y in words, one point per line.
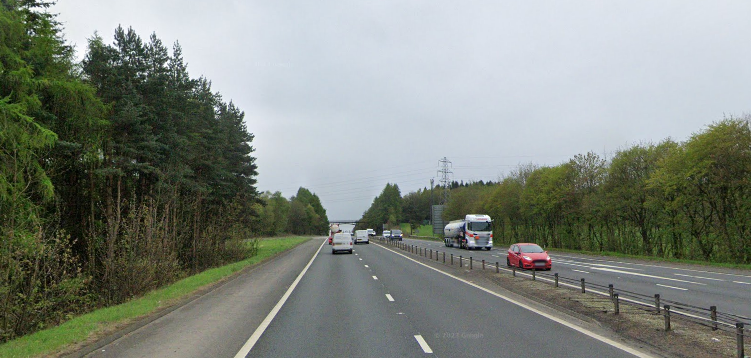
column 102, row 321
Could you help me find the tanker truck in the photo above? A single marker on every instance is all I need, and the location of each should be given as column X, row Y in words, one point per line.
column 475, row 231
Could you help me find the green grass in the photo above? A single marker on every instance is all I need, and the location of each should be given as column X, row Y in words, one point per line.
column 424, row 230
column 99, row 322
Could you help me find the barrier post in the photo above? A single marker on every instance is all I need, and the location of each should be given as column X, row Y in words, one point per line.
column 657, row 302
column 617, row 303
column 556, row 280
column 713, row 314
column 667, row 318
column 739, row 339
column 583, row 290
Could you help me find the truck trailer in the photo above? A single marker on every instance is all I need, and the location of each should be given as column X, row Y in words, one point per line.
column 475, row 231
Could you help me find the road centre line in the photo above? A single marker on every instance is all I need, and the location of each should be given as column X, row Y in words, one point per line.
column 580, row 271
column 391, row 299
column 530, row 308
column 375, row 278
column 266, row 321
column 704, row 278
column 424, row 345
column 673, row 287
column 637, row 274
column 566, row 262
column 367, row 266
column 658, row 266
column 742, row 283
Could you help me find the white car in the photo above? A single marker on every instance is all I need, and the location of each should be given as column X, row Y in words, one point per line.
column 386, row 234
column 342, row 242
column 362, row 236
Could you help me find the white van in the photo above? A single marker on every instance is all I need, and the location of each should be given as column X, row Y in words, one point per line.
column 342, row 242
column 362, row 236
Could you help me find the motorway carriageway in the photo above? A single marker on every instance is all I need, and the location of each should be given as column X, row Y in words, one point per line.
column 728, row 289
column 379, row 302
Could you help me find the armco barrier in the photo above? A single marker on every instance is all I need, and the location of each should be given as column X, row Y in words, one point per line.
column 708, row 317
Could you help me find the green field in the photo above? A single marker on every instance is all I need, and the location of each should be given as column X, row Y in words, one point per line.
column 107, row 320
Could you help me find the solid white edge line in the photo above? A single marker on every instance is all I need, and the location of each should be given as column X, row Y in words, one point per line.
column 530, row 308
column 388, row 296
column 265, row 324
column 424, row 345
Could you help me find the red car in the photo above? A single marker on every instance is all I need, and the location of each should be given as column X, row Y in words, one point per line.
column 528, row 256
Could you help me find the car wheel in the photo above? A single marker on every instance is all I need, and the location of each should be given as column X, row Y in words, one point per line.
column 508, row 262
column 520, row 264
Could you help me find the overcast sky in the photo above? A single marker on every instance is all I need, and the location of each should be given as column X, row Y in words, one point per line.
column 346, row 96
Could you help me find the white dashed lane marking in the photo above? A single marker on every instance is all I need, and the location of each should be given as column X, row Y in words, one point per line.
column 424, row 345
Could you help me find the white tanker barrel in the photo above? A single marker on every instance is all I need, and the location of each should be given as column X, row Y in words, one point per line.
column 454, row 229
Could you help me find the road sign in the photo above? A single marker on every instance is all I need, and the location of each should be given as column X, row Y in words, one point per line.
column 436, row 213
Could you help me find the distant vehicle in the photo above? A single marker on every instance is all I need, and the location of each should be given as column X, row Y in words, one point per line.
column 350, row 228
column 362, row 236
column 333, row 229
column 371, row 232
column 386, row 234
column 528, row 256
column 474, row 232
column 396, row 235
column 342, row 241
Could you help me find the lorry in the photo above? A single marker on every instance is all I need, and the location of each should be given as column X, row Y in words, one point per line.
column 336, row 227
column 475, row 231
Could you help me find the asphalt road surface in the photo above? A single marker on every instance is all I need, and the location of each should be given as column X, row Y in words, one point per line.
column 728, row 289
column 380, row 303
column 377, row 302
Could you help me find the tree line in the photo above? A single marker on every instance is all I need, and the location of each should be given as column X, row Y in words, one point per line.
column 687, row 200
column 118, row 174
column 683, row 200
column 302, row 214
